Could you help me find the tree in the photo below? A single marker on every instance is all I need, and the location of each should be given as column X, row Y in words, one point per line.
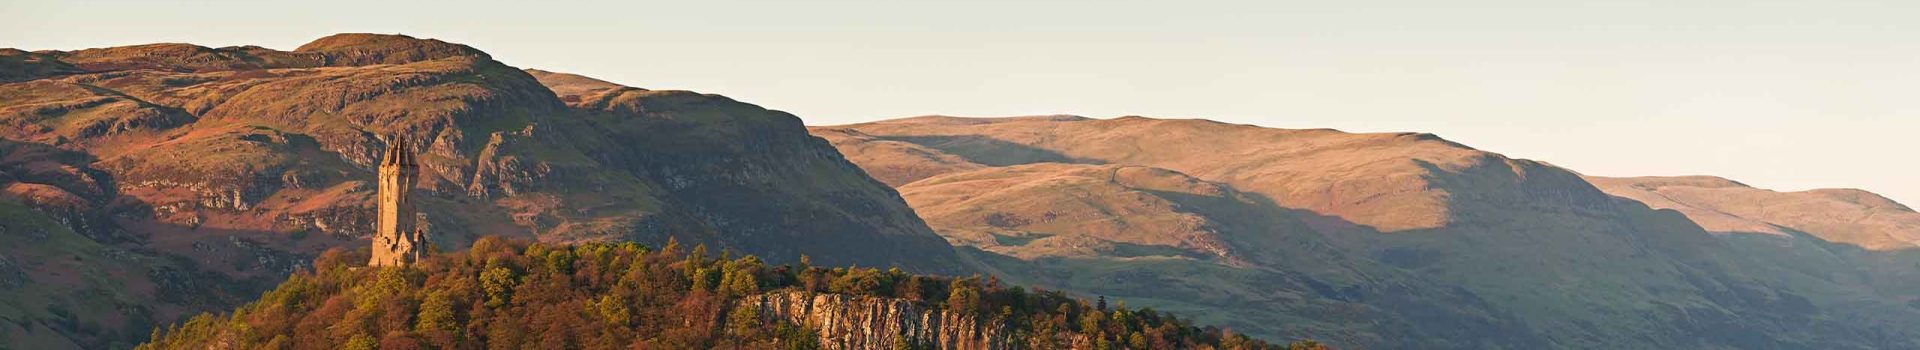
column 740, row 283
column 498, row 282
column 613, row 309
column 1090, row 322
column 697, row 259
column 672, row 247
column 706, row 279
column 1307, row 345
column 361, row 342
column 963, row 296
column 600, row 296
column 436, row 312
column 912, row 289
column 858, row 281
column 744, row 321
column 741, row 277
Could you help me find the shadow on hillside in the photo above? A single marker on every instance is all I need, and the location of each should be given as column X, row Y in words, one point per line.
column 1304, row 276
column 989, row 151
column 1323, row 277
column 175, row 270
column 1892, row 274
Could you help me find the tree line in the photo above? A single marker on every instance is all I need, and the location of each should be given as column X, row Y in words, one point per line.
column 506, row 294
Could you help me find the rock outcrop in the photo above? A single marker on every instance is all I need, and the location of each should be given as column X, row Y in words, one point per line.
column 847, row 322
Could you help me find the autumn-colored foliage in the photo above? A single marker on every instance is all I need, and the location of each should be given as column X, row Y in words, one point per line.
column 505, row 294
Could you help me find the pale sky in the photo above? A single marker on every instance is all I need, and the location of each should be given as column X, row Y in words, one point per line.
column 1787, row 95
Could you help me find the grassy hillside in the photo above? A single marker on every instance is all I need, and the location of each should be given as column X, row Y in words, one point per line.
column 1846, row 216
column 63, row 290
column 504, row 294
column 1395, row 240
column 70, row 277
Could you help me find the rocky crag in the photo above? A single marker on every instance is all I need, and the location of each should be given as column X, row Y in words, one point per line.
column 872, row 323
column 243, row 162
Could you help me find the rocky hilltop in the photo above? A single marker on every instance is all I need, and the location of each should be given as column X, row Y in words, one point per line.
column 1394, row 240
column 244, row 162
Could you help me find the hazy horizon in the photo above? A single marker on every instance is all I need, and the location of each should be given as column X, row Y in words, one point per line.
column 1785, row 95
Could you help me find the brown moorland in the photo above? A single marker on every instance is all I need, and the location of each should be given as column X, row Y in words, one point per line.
column 1849, row 216
column 1395, row 240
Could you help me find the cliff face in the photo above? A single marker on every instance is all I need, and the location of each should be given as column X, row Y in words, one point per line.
column 846, row 322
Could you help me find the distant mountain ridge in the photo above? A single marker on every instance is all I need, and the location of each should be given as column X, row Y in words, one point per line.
column 1848, row 216
column 1409, row 169
column 1394, row 240
column 142, row 183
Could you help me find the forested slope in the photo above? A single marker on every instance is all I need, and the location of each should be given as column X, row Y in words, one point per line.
column 504, row 294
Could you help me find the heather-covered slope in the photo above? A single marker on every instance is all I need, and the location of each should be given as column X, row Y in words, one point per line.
column 244, row 161
column 1380, row 240
column 71, row 278
column 61, row 290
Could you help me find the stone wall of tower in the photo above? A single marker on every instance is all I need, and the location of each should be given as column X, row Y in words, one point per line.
column 396, row 242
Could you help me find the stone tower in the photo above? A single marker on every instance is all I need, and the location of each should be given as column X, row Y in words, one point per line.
column 395, row 241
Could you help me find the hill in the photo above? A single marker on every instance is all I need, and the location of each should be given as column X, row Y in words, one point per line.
column 1848, row 216
column 1394, row 240
column 1082, row 211
column 243, row 163
column 505, row 294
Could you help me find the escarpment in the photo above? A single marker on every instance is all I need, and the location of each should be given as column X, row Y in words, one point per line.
column 849, row 322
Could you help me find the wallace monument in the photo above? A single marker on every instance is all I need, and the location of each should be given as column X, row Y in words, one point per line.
column 395, row 241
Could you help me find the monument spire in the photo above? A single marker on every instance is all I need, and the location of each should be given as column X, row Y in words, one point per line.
column 396, row 242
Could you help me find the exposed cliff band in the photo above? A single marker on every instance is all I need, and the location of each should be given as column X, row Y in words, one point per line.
column 847, row 322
